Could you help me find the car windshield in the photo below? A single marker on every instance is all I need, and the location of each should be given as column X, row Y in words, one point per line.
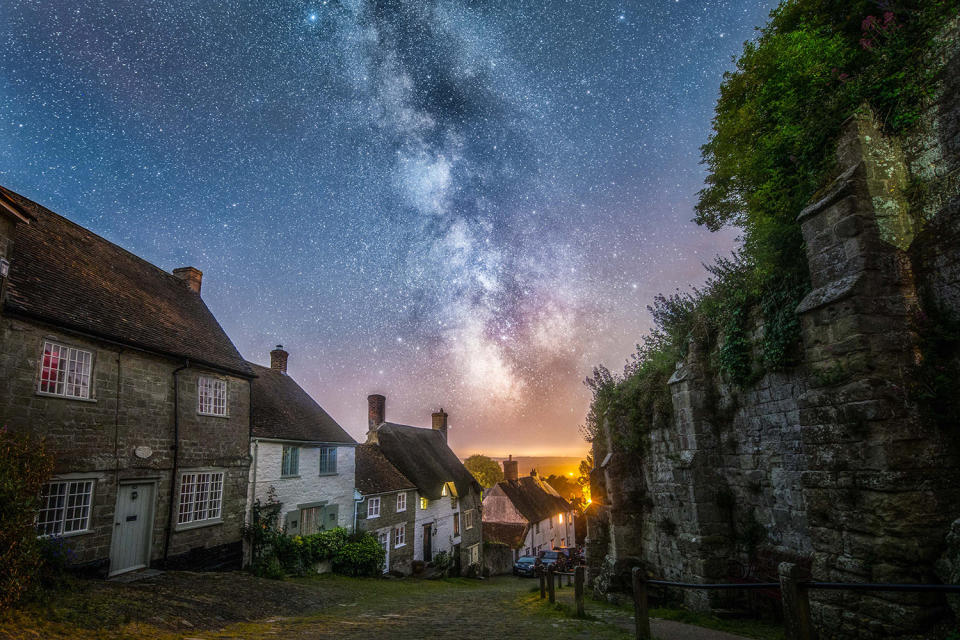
column 550, row 554
column 526, row 560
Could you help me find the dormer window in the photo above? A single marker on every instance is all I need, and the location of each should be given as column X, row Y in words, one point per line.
column 444, row 491
column 212, row 393
column 65, row 371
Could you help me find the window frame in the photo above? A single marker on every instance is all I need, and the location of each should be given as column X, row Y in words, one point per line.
column 62, row 521
column 285, row 472
column 400, row 535
column 371, row 511
column 468, row 519
column 401, row 501
column 87, row 359
column 215, row 383
column 207, row 521
column 327, row 453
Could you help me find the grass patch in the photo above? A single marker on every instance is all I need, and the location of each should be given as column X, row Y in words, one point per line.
column 743, row 627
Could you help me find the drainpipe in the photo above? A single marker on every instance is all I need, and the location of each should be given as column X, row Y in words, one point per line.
column 176, row 457
column 357, row 499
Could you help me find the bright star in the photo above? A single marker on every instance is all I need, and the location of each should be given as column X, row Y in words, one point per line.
column 313, row 17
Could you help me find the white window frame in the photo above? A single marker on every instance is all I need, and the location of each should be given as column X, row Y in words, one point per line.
column 468, row 519
column 73, row 375
column 212, row 396
column 401, row 502
column 400, row 535
column 289, row 461
column 200, row 498
column 62, row 498
column 327, row 454
column 373, row 508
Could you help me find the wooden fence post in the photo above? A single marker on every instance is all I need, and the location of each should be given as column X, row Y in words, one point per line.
column 550, row 585
column 543, row 582
column 796, row 602
column 578, row 589
column 559, row 580
column 641, row 614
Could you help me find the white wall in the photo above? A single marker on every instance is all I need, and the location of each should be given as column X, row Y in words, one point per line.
column 309, row 486
column 440, row 513
column 557, row 533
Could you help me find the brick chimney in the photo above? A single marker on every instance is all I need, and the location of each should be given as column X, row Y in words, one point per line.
column 510, row 471
column 191, row 276
column 278, row 359
column 440, row 422
column 376, row 415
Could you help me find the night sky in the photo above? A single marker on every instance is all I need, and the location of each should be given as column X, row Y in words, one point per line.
column 457, row 204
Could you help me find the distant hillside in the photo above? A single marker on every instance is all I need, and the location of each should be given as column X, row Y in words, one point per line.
column 546, row 465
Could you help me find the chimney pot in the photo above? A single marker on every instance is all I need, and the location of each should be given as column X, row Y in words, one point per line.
column 440, row 422
column 510, row 469
column 278, row 359
column 191, row 276
column 376, row 415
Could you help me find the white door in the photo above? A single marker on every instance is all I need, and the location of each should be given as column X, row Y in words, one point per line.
column 383, row 537
column 133, row 524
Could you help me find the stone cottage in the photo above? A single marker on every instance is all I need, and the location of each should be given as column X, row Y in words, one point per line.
column 139, row 393
column 299, row 452
column 387, row 507
column 533, row 504
column 448, row 505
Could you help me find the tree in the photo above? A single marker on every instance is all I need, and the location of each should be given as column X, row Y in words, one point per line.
column 485, row 470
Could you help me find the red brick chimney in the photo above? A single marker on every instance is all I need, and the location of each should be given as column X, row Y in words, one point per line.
column 191, row 276
column 440, row 422
column 278, row 359
column 510, row 471
column 376, row 415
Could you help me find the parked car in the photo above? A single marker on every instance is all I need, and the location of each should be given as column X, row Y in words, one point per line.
column 525, row 566
column 549, row 558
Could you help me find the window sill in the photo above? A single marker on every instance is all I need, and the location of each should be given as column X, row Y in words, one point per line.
column 398, row 546
column 400, row 510
column 326, row 474
column 50, row 536
column 45, row 394
column 213, row 415
column 294, row 477
column 369, row 517
column 187, row 526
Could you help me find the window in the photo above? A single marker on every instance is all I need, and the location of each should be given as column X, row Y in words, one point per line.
column 65, row 507
column 201, row 495
column 212, row 393
column 290, row 463
column 444, row 491
column 560, row 516
column 328, row 460
column 468, row 519
column 423, row 503
column 400, row 535
column 65, row 371
column 456, row 524
column 401, row 502
column 311, row 520
column 373, row 508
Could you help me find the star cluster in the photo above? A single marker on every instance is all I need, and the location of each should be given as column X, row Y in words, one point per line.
column 455, row 203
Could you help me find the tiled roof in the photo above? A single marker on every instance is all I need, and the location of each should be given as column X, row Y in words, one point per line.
column 281, row 409
column 375, row 474
column 535, row 499
column 511, row 534
column 422, row 455
column 67, row 276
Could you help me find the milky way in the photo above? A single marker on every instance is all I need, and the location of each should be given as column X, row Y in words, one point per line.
column 457, row 204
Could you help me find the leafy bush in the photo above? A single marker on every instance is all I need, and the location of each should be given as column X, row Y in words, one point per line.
column 360, row 555
column 25, row 467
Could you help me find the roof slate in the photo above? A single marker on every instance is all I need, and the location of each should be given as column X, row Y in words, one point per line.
column 281, row 409
column 535, row 499
column 511, row 534
column 375, row 474
column 424, row 457
column 68, row 276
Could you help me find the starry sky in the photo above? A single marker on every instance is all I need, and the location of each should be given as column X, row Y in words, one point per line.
column 464, row 204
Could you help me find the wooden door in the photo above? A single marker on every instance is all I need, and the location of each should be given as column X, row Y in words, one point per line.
column 132, row 529
column 427, row 543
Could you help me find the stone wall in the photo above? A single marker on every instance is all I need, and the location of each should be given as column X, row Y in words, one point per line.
column 401, row 558
column 131, row 406
column 833, row 464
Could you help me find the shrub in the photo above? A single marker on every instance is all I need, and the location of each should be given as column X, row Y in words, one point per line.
column 25, row 467
column 360, row 555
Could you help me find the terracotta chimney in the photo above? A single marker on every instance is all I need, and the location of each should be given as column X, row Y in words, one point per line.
column 278, row 359
column 191, row 276
column 376, row 415
column 440, row 422
column 510, row 471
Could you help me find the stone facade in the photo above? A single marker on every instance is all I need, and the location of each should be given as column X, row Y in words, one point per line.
column 440, row 514
column 131, row 407
column 832, row 464
column 400, row 556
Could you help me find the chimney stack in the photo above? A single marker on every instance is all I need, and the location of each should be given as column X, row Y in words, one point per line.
column 510, row 472
column 533, row 473
column 376, row 415
column 278, row 359
column 440, row 422
column 191, row 276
